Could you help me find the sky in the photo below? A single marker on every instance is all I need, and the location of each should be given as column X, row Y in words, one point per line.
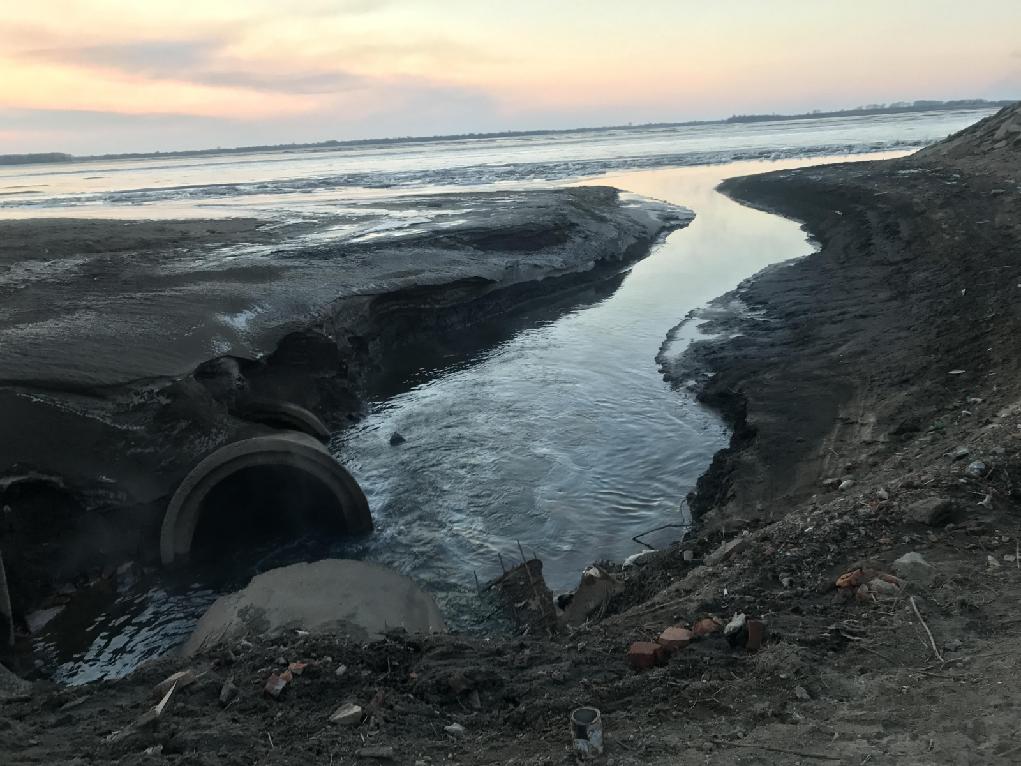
column 94, row 76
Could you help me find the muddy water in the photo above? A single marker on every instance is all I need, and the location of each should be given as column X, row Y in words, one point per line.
column 556, row 433
column 564, row 437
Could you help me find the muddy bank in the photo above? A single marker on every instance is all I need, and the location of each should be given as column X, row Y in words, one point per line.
column 134, row 349
column 832, row 363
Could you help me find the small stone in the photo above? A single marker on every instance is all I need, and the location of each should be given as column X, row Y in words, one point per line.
column 347, row 715
column 830, row 483
column 912, row 566
column 643, row 655
column 341, row 670
column 976, row 469
column 228, row 692
column 959, row 453
column 674, row 638
column 297, row 668
column 953, row 645
column 756, row 634
column 454, row 730
column 882, row 494
column 802, row 693
column 396, row 439
column 846, row 484
column 277, row 683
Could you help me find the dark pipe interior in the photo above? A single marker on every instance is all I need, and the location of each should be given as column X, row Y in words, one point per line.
column 257, row 510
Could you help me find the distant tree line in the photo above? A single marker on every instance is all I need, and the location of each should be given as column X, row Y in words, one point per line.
column 893, row 108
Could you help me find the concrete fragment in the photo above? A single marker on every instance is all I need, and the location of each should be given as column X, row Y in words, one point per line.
column 934, row 511
column 358, row 598
column 643, row 655
column 347, row 715
column 674, row 638
column 912, row 566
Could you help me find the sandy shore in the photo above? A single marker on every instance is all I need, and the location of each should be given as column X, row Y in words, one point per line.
column 877, row 414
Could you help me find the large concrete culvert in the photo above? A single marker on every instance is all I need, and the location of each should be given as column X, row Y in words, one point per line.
column 285, row 483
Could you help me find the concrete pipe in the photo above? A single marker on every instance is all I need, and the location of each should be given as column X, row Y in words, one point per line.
column 283, row 415
column 287, row 480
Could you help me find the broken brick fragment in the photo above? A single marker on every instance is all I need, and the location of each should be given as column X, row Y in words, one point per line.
column 704, row 627
column 756, row 634
column 277, row 683
column 674, row 638
column 644, row 654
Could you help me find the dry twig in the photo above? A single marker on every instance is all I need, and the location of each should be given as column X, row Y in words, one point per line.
column 932, row 641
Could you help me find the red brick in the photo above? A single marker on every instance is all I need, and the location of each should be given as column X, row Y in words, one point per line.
column 704, row 627
column 674, row 638
column 756, row 634
column 644, row 654
column 277, row 683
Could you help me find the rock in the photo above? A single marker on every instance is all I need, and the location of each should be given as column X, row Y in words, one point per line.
column 643, row 655
column 830, row 483
column 180, row 679
column 846, row 484
column 882, row 494
column 976, row 469
column 396, row 439
column 228, row 692
column 735, row 625
column 454, row 730
column 688, row 555
column 912, row 566
column 756, row 634
column 674, row 638
column 381, row 753
column 934, row 511
column 341, row 670
column 802, row 693
column 297, row 668
column 277, row 683
column 953, row 645
column 596, row 588
column 359, row 598
column 347, row 715
column 883, row 588
column 959, row 453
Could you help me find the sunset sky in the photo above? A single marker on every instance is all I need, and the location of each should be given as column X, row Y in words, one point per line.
column 89, row 76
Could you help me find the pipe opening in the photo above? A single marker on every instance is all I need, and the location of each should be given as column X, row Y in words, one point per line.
column 256, row 507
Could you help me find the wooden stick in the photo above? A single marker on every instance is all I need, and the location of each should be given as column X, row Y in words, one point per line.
column 777, row 750
column 932, row 641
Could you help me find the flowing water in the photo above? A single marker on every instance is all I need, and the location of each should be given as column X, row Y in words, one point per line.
column 555, row 433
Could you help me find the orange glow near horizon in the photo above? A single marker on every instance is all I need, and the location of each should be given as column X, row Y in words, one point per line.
column 343, row 68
